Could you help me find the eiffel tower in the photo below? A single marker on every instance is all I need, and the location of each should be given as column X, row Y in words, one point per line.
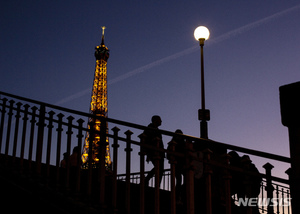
column 98, row 105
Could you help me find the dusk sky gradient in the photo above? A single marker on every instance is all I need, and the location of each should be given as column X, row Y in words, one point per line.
column 47, row 54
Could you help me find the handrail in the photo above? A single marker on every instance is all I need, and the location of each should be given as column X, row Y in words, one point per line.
column 165, row 132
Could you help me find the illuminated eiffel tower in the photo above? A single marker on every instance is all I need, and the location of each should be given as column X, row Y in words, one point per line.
column 98, row 104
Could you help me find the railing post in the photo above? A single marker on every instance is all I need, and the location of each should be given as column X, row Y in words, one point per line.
column 58, row 146
column 288, row 172
column 269, row 187
column 49, row 139
column 10, row 113
column 289, row 107
column 172, row 161
column 294, row 177
column 78, row 166
column 4, row 100
column 189, row 175
column 277, row 196
column 16, row 131
column 247, row 183
column 90, row 158
column 227, row 178
column 142, row 172
column 32, row 128
column 128, row 165
column 208, row 172
column 115, row 168
column 102, row 169
column 69, row 139
column 282, row 197
column 157, row 169
column 40, row 138
column 25, row 118
column 289, row 200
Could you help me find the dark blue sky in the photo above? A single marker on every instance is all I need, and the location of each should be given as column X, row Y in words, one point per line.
column 47, row 53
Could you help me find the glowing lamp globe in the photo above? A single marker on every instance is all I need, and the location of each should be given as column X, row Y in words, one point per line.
column 201, row 32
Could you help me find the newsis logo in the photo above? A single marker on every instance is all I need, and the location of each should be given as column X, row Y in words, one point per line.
column 253, row 202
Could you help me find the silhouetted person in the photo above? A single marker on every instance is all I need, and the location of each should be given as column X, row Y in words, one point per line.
column 236, row 180
column 73, row 157
column 63, row 162
column 242, row 184
column 152, row 136
column 254, row 180
column 179, row 144
column 73, row 163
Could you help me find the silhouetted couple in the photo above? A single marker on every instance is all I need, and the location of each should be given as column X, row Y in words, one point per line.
column 153, row 138
column 72, row 158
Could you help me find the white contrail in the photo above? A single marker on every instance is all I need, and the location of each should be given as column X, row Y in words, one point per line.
column 151, row 65
column 252, row 25
column 216, row 40
column 74, row 96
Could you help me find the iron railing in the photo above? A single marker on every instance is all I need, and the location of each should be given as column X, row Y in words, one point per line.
column 281, row 192
column 34, row 135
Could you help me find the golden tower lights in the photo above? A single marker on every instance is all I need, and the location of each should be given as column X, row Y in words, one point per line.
column 98, row 104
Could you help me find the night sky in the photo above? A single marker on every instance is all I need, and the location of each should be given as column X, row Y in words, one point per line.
column 47, row 53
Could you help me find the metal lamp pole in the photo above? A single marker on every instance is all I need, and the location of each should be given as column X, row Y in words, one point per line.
column 201, row 34
column 203, row 114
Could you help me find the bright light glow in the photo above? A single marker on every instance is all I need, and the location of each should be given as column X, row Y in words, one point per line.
column 201, row 32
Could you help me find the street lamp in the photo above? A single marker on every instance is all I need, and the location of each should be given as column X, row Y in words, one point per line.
column 201, row 34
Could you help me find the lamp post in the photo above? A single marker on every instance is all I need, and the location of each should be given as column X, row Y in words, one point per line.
column 201, row 34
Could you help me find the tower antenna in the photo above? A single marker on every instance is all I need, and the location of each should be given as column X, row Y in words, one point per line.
column 103, row 28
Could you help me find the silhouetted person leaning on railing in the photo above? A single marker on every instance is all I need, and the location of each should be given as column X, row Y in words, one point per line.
column 74, row 156
column 254, row 181
column 152, row 138
column 179, row 146
column 236, row 180
column 242, row 184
